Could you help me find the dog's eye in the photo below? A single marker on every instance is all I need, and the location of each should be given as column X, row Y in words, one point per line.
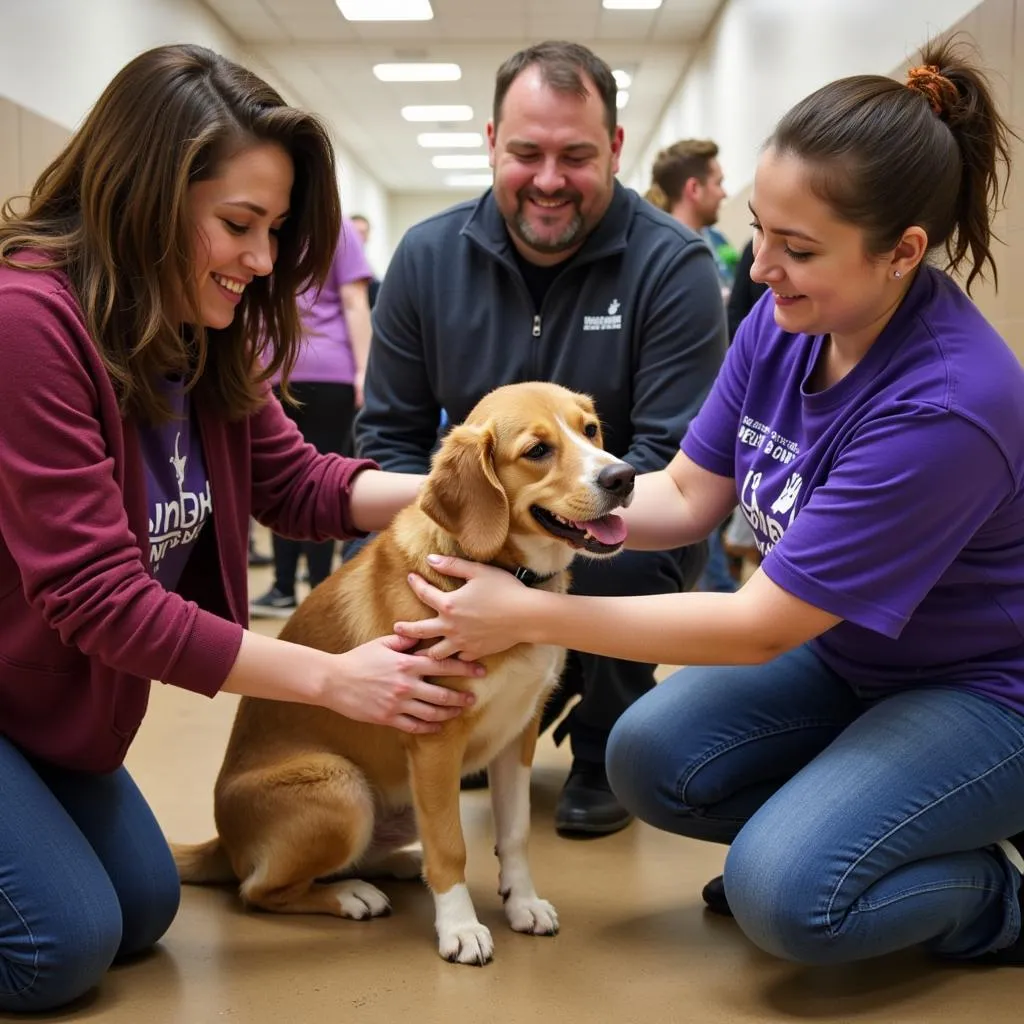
column 590, row 430
column 537, row 452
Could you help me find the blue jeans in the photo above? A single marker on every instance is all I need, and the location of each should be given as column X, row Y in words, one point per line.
column 85, row 877
column 858, row 826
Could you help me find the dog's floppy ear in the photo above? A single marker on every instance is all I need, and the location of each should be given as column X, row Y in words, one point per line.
column 463, row 494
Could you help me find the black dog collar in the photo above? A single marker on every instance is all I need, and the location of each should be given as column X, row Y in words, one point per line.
column 526, row 576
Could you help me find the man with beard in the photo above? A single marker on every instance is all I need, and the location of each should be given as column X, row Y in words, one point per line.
column 557, row 273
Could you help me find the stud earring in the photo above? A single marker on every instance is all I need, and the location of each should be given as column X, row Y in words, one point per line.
column 897, row 274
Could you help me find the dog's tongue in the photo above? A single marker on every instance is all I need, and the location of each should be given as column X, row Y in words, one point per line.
column 610, row 529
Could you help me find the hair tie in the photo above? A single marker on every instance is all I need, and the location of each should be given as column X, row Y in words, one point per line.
column 936, row 88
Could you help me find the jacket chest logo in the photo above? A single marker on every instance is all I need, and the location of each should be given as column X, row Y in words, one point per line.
column 610, row 321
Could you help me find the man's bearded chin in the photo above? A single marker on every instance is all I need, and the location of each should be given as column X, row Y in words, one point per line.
column 568, row 239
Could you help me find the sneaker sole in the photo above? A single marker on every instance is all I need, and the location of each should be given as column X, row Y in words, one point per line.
column 261, row 612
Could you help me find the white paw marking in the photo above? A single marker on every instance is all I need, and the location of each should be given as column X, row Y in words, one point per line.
column 470, row 943
column 531, row 915
column 461, row 938
column 359, row 900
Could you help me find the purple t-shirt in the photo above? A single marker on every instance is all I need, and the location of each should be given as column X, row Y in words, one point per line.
column 177, row 489
column 326, row 352
column 894, row 498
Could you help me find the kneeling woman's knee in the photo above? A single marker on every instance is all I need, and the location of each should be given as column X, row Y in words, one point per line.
column 644, row 770
column 55, row 960
column 778, row 896
column 627, row 760
column 149, row 903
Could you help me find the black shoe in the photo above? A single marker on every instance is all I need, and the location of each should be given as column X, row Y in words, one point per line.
column 257, row 560
column 475, row 780
column 713, row 895
column 273, row 605
column 587, row 807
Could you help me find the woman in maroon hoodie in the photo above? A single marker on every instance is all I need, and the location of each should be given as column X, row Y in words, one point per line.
column 146, row 295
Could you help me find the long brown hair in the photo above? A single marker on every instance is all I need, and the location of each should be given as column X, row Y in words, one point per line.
column 112, row 211
column 886, row 156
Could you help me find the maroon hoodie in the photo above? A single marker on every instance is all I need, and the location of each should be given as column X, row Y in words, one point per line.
column 83, row 625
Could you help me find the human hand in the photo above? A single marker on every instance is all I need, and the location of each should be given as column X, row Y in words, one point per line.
column 477, row 619
column 385, row 685
column 358, row 384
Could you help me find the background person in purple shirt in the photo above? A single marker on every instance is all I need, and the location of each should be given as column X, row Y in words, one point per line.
column 327, row 381
column 852, row 722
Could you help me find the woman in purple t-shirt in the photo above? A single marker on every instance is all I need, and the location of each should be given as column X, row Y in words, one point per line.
column 852, row 723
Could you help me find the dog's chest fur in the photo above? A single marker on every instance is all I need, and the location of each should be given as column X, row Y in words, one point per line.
column 516, row 685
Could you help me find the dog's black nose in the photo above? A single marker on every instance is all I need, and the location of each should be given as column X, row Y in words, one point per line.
column 617, row 478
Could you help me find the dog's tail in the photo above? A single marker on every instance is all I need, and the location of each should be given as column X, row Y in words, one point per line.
column 203, row 864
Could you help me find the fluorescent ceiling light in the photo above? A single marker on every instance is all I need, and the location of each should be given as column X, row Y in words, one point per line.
column 385, row 10
column 453, row 112
column 469, row 180
column 450, row 140
column 623, row 79
column 411, row 72
column 630, row 5
column 461, row 161
column 621, row 98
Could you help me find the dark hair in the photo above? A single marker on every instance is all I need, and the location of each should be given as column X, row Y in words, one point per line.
column 562, row 67
column 675, row 165
column 112, row 211
column 886, row 156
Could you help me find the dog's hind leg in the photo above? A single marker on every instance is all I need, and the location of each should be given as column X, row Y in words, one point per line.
column 509, row 775
column 303, row 820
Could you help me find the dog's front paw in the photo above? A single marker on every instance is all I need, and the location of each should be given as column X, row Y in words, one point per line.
column 466, row 944
column 531, row 915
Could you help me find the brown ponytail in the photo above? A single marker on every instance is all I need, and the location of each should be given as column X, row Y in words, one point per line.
column 886, row 156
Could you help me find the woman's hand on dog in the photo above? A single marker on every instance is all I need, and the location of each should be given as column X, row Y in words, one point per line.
column 385, row 685
column 473, row 621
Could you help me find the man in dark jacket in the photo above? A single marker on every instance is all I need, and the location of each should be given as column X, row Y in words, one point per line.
column 558, row 273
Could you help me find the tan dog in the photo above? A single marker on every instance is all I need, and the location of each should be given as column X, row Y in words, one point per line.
column 306, row 795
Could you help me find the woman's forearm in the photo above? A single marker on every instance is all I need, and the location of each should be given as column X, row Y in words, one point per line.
column 659, row 517
column 277, row 670
column 377, row 497
column 758, row 622
column 668, row 629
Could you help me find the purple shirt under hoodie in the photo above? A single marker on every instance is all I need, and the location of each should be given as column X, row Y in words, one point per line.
column 894, row 498
column 86, row 626
column 177, row 488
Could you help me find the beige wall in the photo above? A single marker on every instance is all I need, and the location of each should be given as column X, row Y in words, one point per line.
column 997, row 29
column 409, row 208
column 28, row 143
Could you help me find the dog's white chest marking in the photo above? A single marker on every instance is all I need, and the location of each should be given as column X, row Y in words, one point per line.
column 508, row 697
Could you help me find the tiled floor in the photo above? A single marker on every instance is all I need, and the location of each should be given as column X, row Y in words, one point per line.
column 635, row 945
